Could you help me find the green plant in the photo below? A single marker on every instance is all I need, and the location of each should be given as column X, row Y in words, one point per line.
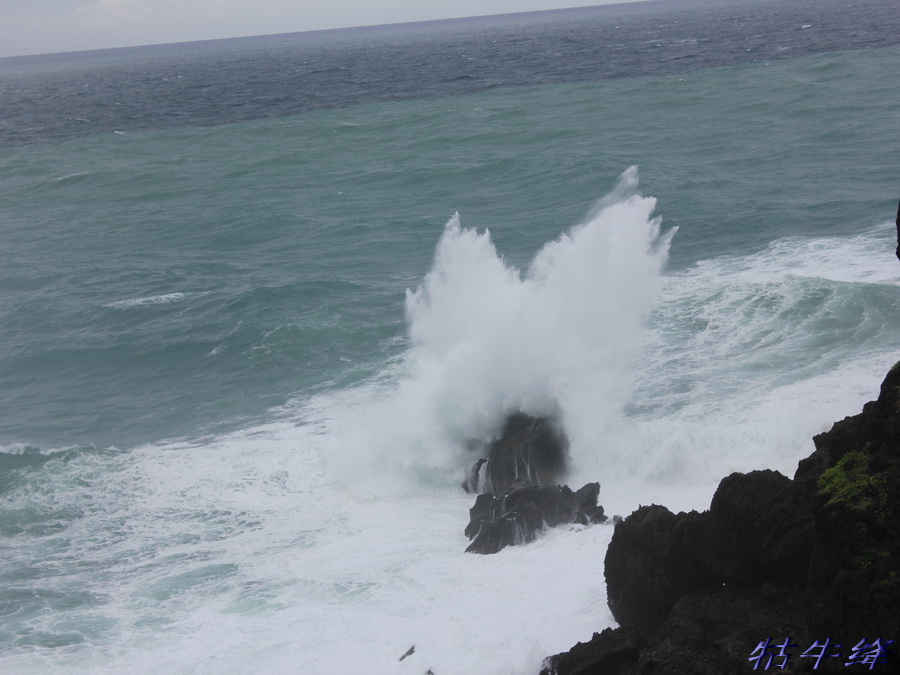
column 848, row 482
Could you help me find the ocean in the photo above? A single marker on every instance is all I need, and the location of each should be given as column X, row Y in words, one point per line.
column 259, row 297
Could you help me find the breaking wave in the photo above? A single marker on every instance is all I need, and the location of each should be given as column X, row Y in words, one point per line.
column 163, row 299
column 488, row 339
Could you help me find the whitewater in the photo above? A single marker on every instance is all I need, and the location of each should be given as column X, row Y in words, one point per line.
column 331, row 538
column 253, row 330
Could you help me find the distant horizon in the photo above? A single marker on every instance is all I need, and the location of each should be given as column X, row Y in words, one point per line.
column 107, row 45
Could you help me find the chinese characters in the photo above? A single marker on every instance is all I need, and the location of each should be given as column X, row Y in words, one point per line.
column 868, row 654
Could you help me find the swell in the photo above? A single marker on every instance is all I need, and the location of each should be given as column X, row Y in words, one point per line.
column 51, row 99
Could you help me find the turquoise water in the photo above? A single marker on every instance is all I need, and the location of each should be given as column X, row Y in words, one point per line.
column 232, row 443
column 167, row 280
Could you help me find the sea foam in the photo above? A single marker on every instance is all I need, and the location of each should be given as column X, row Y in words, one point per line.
column 259, row 550
column 163, row 299
column 488, row 339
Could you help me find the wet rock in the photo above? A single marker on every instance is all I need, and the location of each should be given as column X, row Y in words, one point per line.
column 651, row 561
column 807, row 559
column 530, row 450
column 854, row 564
column 522, row 510
column 760, row 528
column 612, row 651
column 517, row 482
column 898, row 231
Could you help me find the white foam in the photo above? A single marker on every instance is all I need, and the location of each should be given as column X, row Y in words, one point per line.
column 332, row 540
column 163, row 299
column 27, row 448
column 488, row 340
column 748, row 358
column 237, row 555
column 864, row 258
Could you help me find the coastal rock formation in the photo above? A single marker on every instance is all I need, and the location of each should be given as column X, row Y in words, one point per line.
column 530, row 449
column 519, row 495
column 854, row 570
column 807, row 559
column 517, row 514
column 612, row 651
column 650, row 563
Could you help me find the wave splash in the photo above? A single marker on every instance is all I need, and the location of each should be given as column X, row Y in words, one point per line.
column 488, row 339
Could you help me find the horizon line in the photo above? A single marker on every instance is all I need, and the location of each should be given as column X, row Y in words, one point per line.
column 364, row 27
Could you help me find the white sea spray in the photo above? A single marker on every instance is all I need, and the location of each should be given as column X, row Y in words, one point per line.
column 488, row 340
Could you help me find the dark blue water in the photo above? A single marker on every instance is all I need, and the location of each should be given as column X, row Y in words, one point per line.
column 59, row 97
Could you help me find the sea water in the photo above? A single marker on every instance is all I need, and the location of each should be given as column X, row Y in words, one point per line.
column 258, row 299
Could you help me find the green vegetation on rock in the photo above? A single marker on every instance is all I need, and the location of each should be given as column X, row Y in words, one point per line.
column 849, row 482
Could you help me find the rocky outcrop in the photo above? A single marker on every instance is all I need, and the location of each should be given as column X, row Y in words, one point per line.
column 651, row 562
column 517, row 514
column 612, row 651
column 519, row 491
column 854, row 565
column 530, row 450
column 811, row 558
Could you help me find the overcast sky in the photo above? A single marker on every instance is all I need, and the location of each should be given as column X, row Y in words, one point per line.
column 45, row 26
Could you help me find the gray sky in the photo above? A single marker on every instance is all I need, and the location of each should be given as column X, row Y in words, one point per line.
column 45, row 26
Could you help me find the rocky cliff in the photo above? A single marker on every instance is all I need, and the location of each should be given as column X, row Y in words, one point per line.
column 794, row 561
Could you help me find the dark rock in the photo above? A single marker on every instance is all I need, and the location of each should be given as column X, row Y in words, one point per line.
column 530, row 449
column 517, row 514
column 759, row 529
column 715, row 630
column 898, row 231
column 708, row 632
column 651, row 561
column 612, row 651
column 475, row 479
column 807, row 559
column 517, row 481
column 854, row 571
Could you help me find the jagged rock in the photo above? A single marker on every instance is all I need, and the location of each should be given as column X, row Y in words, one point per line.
column 898, row 231
column 810, row 558
column 760, row 529
column 517, row 485
column 706, row 633
column 517, row 514
column 612, row 651
column 854, row 571
column 715, row 630
column 530, row 449
column 651, row 561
